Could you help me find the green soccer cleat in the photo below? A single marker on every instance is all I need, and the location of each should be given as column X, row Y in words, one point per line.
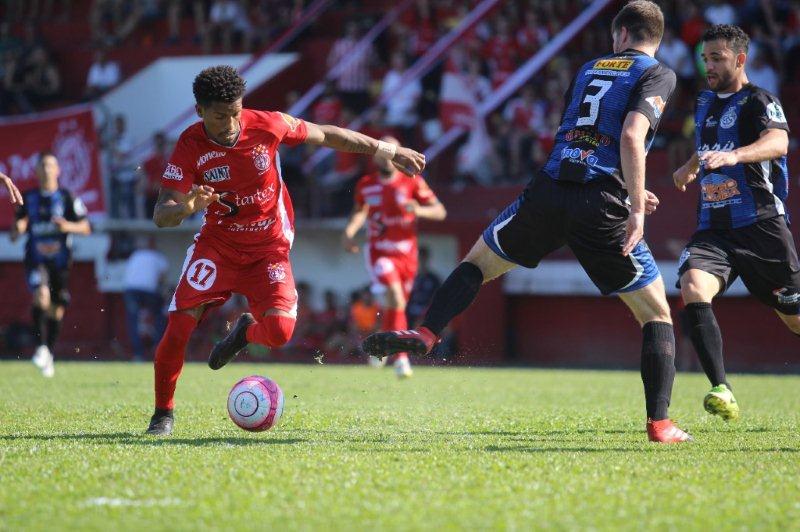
column 720, row 401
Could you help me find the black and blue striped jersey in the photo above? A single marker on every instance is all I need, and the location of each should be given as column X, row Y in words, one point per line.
column 46, row 243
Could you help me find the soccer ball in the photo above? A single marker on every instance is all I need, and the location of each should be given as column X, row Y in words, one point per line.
column 255, row 403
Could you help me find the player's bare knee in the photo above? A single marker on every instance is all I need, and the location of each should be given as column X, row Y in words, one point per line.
column 793, row 323
column 692, row 292
column 41, row 297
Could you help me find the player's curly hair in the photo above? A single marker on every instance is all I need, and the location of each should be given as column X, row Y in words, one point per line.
column 737, row 39
column 218, row 84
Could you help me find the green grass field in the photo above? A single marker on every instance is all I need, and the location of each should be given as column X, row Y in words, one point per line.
column 449, row 449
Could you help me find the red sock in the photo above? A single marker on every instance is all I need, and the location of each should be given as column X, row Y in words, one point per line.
column 272, row 330
column 169, row 357
column 395, row 320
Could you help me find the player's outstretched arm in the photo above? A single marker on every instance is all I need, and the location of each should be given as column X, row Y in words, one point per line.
column 686, row 173
column 354, row 224
column 632, row 155
column 772, row 144
column 405, row 159
column 434, row 211
column 13, row 191
column 80, row 227
column 173, row 206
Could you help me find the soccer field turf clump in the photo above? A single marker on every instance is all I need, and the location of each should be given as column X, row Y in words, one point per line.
column 357, row 449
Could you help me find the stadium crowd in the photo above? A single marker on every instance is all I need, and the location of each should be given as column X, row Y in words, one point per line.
column 520, row 133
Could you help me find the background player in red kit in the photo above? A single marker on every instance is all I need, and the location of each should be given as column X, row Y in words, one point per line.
column 391, row 203
column 228, row 166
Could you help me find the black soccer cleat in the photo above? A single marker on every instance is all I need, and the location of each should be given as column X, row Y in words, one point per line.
column 226, row 349
column 161, row 423
column 416, row 343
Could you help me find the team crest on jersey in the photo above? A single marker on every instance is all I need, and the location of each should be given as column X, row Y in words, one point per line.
column 217, row 174
column 658, row 104
column 613, row 64
column 276, row 273
column 261, row 158
column 173, row 172
column 729, row 118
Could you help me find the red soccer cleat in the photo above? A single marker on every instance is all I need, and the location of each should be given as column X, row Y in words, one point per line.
column 665, row 431
column 417, row 342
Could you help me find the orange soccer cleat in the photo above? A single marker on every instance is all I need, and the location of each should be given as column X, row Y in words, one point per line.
column 665, row 431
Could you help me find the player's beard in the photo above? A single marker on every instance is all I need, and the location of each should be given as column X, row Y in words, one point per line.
column 386, row 171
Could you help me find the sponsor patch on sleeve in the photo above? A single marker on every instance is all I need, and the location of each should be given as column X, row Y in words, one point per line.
column 291, row 121
column 775, row 113
column 658, row 104
column 173, row 172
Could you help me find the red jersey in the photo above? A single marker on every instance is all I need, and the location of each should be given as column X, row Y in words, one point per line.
column 391, row 229
column 255, row 211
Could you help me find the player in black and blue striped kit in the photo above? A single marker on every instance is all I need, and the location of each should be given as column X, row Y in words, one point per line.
column 49, row 216
column 589, row 196
column 740, row 163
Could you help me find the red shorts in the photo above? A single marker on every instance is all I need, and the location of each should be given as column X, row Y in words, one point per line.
column 212, row 271
column 389, row 269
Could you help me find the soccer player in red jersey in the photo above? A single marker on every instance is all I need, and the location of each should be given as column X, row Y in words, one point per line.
column 391, row 203
column 227, row 165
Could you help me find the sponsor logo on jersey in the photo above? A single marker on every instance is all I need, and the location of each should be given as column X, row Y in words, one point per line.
column 658, row 104
column 595, row 138
column 718, row 189
column 728, row 146
column 261, row 158
column 259, row 197
column 711, row 122
column 291, row 121
column 276, row 273
column 729, row 118
column 613, row 64
column 787, row 296
column 173, row 172
column 252, row 227
column 775, row 113
column 578, row 155
column 217, row 174
column 208, row 156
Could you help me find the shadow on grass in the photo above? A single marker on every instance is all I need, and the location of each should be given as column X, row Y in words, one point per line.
column 636, row 449
column 133, row 438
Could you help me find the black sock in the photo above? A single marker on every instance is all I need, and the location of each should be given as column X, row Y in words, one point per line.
column 38, row 325
column 53, row 329
column 707, row 340
column 658, row 367
column 453, row 297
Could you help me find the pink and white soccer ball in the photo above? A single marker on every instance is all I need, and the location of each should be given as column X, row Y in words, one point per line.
column 255, row 403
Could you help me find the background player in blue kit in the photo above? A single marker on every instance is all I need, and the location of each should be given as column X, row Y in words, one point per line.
column 590, row 195
column 49, row 216
column 741, row 140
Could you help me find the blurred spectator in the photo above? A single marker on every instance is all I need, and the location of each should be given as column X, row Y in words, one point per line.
column 144, row 275
column 153, row 170
column 425, row 285
column 122, row 170
column 401, row 107
column 32, row 80
column 328, row 108
column 354, row 82
column 174, row 11
column 104, row 75
column 675, row 54
column 533, row 35
column 720, row 12
column 761, row 74
column 526, row 115
column 364, row 313
column 501, row 52
column 228, row 18
column 693, row 25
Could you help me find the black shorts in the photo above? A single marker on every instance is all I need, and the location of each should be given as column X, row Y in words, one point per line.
column 589, row 218
column 51, row 275
column 762, row 254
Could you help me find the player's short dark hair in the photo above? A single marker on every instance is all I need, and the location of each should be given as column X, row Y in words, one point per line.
column 643, row 20
column 737, row 39
column 218, row 84
column 46, row 153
